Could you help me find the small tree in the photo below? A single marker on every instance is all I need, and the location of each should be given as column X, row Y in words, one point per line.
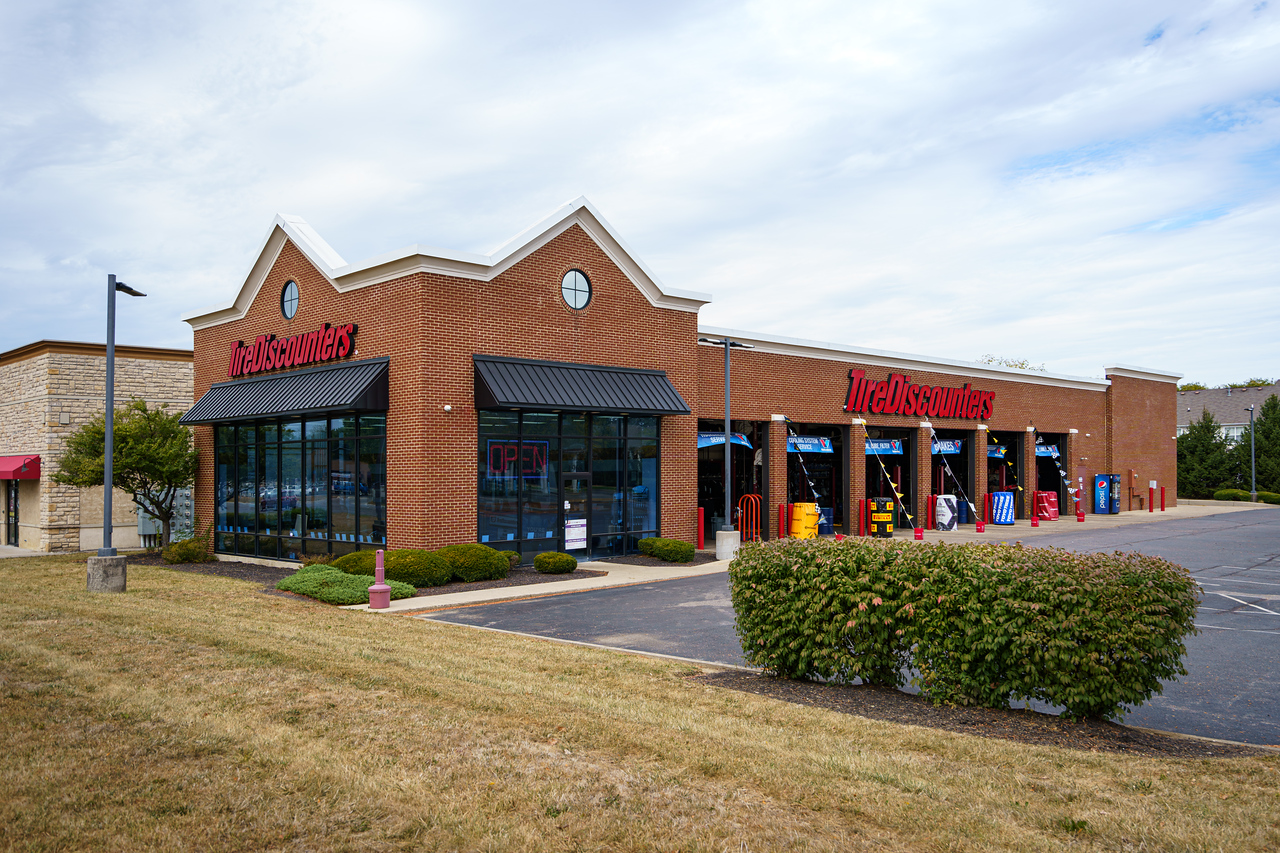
column 1204, row 462
column 152, row 458
column 1019, row 363
column 1266, row 424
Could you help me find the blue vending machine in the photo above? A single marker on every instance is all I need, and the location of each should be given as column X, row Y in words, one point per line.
column 1106, row 494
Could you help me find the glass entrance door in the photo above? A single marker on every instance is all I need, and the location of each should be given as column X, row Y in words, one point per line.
column 11, row 513
column 575, row 491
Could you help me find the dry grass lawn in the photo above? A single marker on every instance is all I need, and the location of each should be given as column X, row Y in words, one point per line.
column 195, row 712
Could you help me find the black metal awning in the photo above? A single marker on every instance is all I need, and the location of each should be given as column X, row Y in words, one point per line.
column 354, row 385
column 520, row 383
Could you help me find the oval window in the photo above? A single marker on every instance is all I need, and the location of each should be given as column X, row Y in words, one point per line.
column 289, row 300
column 575, row 287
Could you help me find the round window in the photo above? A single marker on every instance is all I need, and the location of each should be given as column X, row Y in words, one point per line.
column 289, row 300
column 576, row 289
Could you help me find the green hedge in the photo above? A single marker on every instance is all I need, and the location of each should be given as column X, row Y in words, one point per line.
column 193, row 550
column 1268, row 497
column 980, row 624
column 475, row 562
column 413, row 566
column 671, row 550
column 554, row 563
column 1242, row 495
column 335, row 586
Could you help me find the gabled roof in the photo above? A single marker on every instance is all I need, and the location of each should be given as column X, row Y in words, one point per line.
column 1227, row 405
column 417, row 258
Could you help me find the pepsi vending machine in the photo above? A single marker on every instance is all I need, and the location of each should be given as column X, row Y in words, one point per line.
column 1106, row 494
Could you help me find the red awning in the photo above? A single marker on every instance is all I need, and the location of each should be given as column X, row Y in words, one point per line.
column 19, row 467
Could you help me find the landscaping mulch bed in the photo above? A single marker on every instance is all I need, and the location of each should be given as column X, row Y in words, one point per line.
column 1024, row 726
column 699, row 558
column 269, row 576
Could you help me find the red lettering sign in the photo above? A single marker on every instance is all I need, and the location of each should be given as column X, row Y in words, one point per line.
column 271, row 353
column 897, row 395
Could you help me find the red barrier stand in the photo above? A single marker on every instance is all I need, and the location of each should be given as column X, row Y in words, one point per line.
column 784, row 530
column 919, row 534
column 1151, row 499
column 749, row 518
column 1162, row 498
column 702, row 529
column 862, row 517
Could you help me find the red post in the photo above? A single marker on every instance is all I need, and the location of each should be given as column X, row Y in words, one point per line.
column 1151, row 499
column 862, row 517
column 702, row 529
column 782, row 521
column 1162, row 498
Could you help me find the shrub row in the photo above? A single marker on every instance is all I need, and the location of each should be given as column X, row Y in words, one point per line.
column 413, row 566
column 335, row 586
column 978, row 624
column 421, row 568
column 671, row 550
column 1242, row 495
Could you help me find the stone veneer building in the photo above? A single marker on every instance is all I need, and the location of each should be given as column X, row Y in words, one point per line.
column 48, row 390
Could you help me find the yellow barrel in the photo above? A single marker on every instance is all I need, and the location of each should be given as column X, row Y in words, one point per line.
column 804, row 521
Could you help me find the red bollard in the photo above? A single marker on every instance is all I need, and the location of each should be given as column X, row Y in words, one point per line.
column 702, row 528
column 1151, row 499
column 379, row 592
column 1162, row 498
column 862, row 517
column 782, row 521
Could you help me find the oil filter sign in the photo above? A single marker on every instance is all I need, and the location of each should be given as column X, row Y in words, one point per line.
column 897, row 395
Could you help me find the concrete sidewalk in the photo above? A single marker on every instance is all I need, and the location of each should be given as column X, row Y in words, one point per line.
column 618, row 575
column 1022, row 530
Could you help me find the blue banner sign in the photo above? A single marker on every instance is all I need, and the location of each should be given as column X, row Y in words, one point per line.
column 1047, row 450
column 715, row 439
column 996, row 451
column 809, row 444
column 884, row 447
column 946, row 446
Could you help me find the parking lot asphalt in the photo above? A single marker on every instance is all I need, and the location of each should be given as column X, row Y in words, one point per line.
column 1231, row 690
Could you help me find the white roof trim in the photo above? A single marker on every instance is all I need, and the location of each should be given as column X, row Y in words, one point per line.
column 417, row 258
column 1132, row 372
column 900, row 361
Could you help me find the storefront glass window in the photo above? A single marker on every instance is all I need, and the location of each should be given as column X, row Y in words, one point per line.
column 530, row 499
column 283, row 497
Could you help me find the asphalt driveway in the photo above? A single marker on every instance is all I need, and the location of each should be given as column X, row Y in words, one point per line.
column 1231, row 691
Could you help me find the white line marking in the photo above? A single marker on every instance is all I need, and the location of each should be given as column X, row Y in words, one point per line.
column 1246, row 604
column 1242, row 630
column 1235, row 581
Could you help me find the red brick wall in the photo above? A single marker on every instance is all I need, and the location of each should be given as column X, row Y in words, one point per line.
column 429, row 326
column 1144, row 421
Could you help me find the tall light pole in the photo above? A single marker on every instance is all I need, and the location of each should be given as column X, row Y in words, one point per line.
column 1253, row 460
column 112, row 286
column 727, row 525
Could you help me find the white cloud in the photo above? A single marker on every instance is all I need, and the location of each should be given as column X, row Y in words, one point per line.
column 1047, row 182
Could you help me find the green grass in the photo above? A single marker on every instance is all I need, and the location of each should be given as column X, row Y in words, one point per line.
column 195, row 712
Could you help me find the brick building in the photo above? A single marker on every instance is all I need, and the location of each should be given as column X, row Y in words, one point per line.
column 554, row 395
column 48, row 390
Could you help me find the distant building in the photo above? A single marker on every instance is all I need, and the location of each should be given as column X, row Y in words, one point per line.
column 1229, row 407
column 48, row 390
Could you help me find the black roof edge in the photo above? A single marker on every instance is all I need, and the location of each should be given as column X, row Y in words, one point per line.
column 337, row 365
column 571, row 364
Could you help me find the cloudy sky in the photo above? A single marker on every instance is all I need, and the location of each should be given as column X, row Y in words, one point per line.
column 1075, row 184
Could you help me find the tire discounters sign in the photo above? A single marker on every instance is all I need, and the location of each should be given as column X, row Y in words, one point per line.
column 897, row 395
column 269, row 352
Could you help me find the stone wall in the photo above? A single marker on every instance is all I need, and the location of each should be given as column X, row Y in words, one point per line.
column 50, row 389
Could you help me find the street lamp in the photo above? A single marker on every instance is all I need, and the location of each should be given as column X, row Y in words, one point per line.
column 112, row 286
column 727, row 526
column 1253, row 460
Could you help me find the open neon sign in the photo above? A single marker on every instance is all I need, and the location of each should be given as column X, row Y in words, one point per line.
column 511, row 459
